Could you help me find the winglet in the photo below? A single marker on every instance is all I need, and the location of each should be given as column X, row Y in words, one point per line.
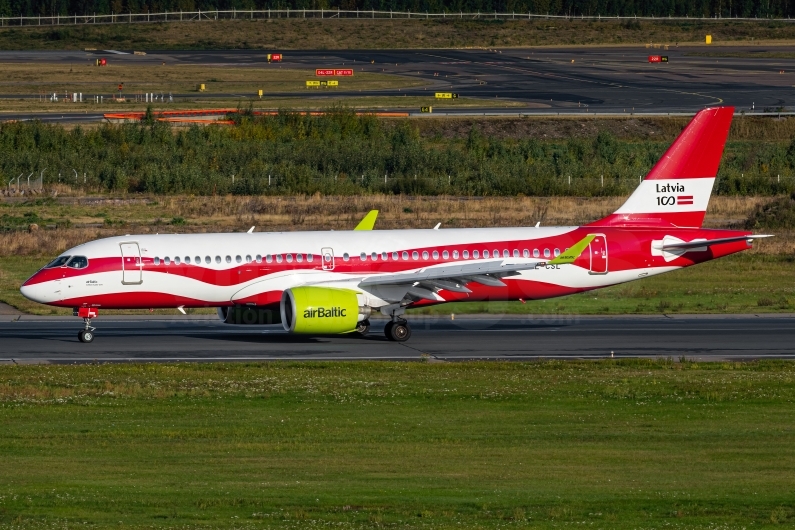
column 368, row 222
column 573, row 252
column 251, row 230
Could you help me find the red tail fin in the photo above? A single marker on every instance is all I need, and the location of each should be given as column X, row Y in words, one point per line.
column 677, row 189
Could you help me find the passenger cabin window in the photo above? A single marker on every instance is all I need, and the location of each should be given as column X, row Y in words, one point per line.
column 229, row 259
column 346, row 257
column 535, row 253
column 546, row 252
column 289, row 258
column 455, row 254
column 78, row 262
column 415, row 255
column 374, row 256
column 405, row 256
column 248, row 259
column 157, row 260
column 268, row 258
column 259, row 258
column 207, row 260
column 515, row 253
column 238, row 259
column 485, row 253
column 187, row 260
column 445, row 255
column 57, row 262
column 363, row 256
column 466, row 254
column 557, row 252
column 198, row 260
column 476, row 254
column 395, row 256
column 310, row 258
column 167, row 260
column 424, row 254
column 384, row 256
column 435, row 254
column 278, row 258
column 218, row 259
column 299, row 258
column 176, row 260
column 526, row 253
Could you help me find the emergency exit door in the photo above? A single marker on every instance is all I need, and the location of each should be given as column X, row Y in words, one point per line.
column 598, row 251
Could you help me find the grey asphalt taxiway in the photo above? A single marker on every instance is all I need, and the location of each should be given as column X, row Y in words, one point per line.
column 26, row 339
column 570, row 81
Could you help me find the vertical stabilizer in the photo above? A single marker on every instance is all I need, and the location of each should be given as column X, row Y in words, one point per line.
column 677, row 189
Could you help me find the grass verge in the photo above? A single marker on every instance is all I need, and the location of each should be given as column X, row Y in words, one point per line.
column 627, row 444
column 46, row 78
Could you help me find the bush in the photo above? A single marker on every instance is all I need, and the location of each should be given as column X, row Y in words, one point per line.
column 778, row 213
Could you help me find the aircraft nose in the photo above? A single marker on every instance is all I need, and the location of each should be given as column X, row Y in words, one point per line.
column 33, row 290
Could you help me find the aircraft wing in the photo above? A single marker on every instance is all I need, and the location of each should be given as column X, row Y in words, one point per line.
column 368, row 222
column 485, row 272
column 425, row 282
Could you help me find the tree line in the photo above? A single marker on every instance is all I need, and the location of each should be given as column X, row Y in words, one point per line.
column 573, row 8
column 342, row 153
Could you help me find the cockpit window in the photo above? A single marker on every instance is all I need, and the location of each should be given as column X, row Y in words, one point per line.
column 58, row 262
column 78, row 262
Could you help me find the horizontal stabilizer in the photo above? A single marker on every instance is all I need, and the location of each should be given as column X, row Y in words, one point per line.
column 703, row 243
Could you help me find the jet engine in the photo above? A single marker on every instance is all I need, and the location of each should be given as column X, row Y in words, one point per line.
column 322, row 310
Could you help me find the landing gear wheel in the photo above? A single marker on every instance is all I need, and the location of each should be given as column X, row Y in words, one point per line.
column 86, row 336
column 363, row 327
column 388, row 329
column 400, row 331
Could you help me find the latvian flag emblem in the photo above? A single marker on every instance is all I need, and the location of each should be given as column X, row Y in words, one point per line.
column 684, row 199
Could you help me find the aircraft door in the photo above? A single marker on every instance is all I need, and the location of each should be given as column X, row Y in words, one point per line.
column 598, row 252
column 327, row 258
column 131, row 264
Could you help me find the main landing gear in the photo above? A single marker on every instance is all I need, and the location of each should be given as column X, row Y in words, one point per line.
column 397, row 330
column 86, row 334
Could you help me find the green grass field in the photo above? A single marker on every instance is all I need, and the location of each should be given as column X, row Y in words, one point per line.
column 629, row 444
column 745, row 283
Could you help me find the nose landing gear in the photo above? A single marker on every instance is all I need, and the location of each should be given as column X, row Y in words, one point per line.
column 86, row 334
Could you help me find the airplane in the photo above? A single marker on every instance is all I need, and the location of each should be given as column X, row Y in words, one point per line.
column 332, row 282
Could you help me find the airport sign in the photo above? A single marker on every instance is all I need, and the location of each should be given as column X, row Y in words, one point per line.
column 312, row 83
column 321, row 72
column 446, row 95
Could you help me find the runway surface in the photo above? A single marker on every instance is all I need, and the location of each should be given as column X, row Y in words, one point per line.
column 135, row 339
column 548, row 80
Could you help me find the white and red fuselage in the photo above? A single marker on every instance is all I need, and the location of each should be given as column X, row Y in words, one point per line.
column 657, row 230
column 216, row 270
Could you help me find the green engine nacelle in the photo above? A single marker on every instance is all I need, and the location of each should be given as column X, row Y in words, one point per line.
column 322, row 310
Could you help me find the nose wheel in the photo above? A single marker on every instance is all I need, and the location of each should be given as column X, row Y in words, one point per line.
column 397, row 331
column 86, row 334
